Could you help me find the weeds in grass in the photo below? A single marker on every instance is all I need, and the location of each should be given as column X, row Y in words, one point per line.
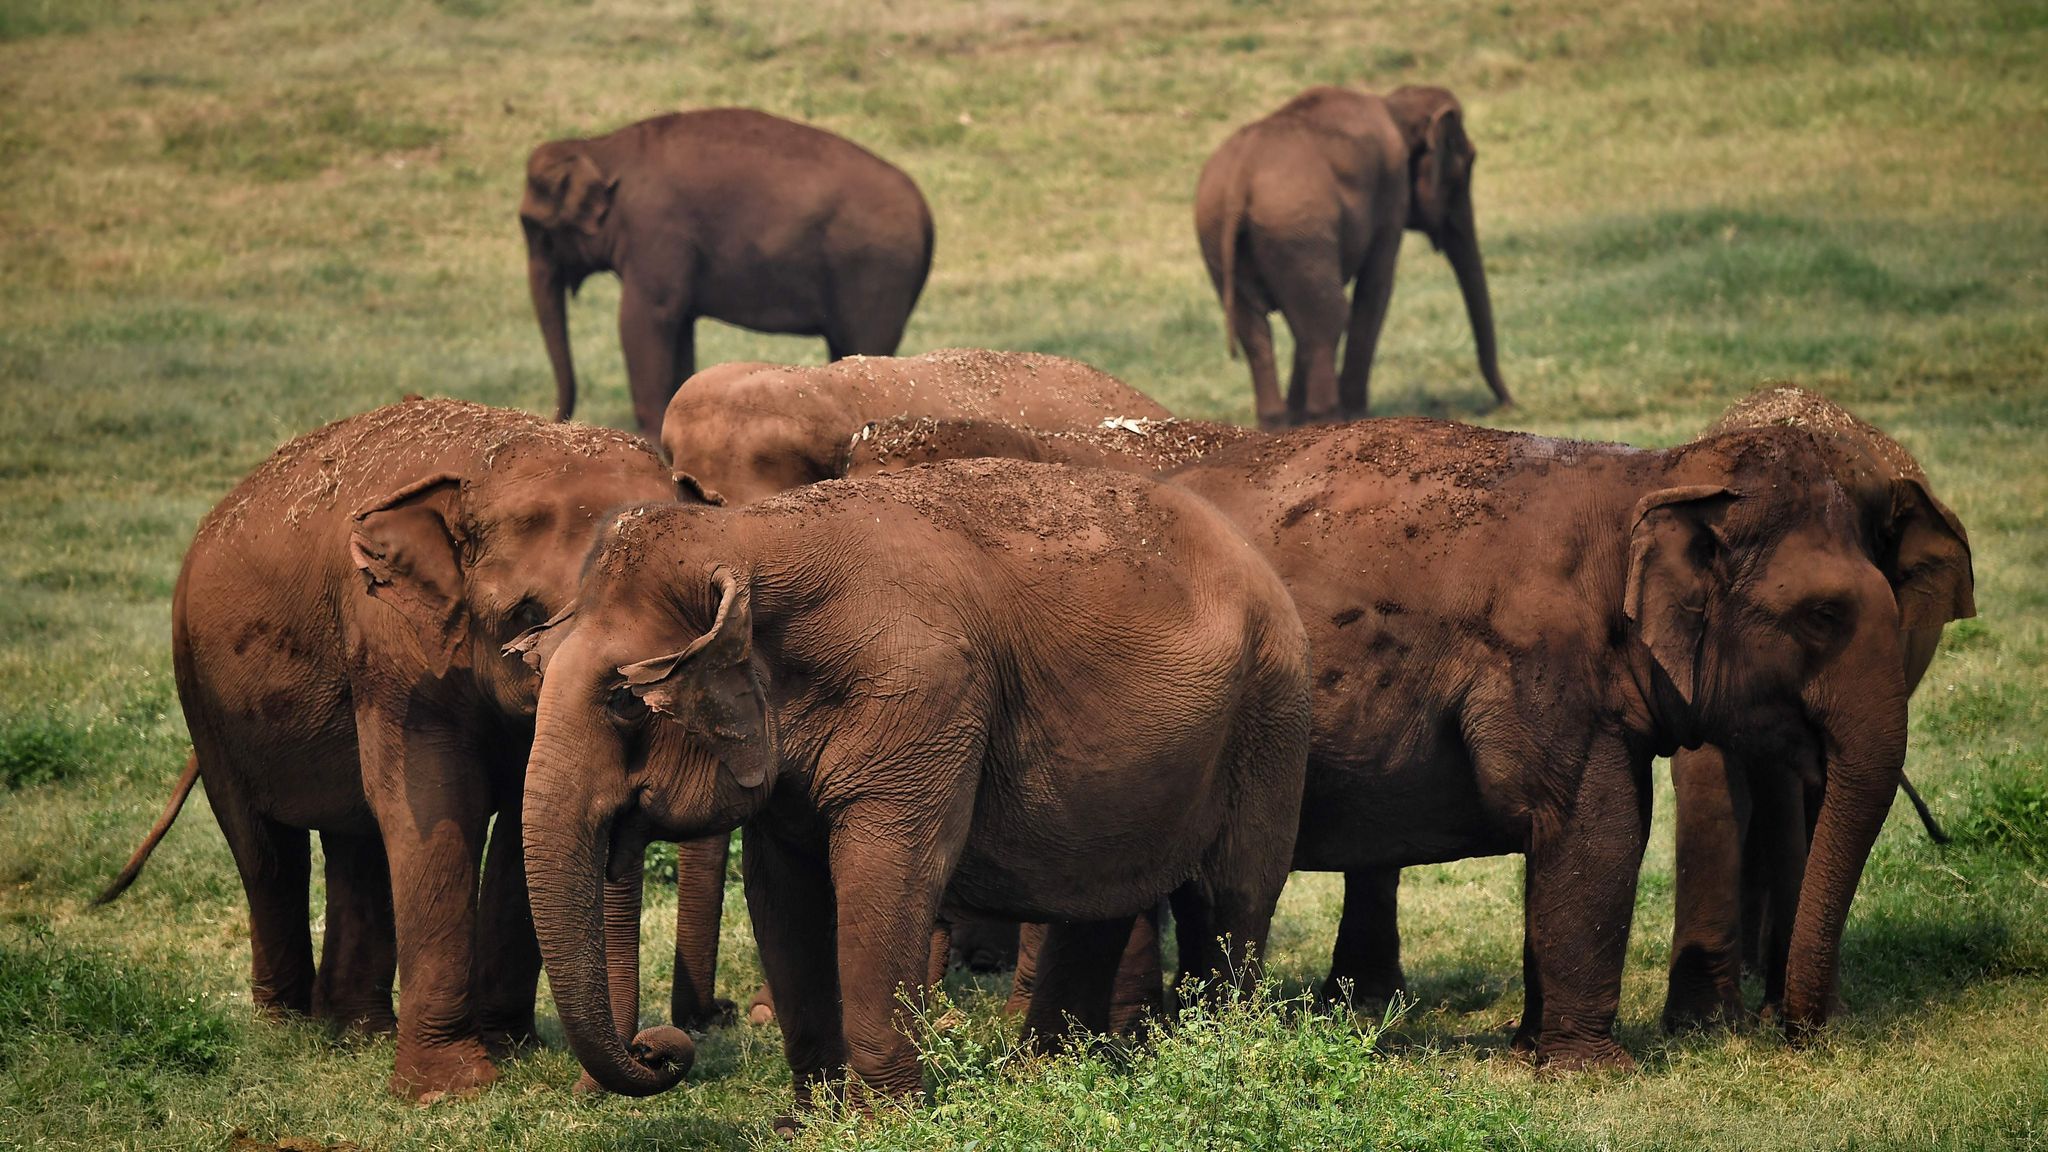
column 134, row 1018
column 2009, row 813
column 42, row 748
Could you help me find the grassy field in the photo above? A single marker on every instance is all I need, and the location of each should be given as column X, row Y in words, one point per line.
column 224, row 222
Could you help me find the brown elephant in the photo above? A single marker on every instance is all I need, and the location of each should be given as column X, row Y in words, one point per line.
column 1123, row 444
column 1745, row 808
column 738, row 432
column 335, row 634
column 728, row 213
column 1008, row 689
column 1508, row 628
column 1294, row 207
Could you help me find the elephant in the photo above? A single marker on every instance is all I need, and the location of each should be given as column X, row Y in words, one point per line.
column 335, row 637
column 1508, row 628
column 1015, row 690
column 1293, row 207
column 1126, row 445
column 743, row 431
column 728, row 213
column 1744, row 808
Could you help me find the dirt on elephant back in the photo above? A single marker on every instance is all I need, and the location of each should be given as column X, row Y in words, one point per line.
column 1163, row 443
column 974, row 373
column 364, row 455
column 1790, row 406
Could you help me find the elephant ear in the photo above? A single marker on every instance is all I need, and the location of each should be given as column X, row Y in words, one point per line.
column 536, row 646
column 1930, row 571
column 567, row 189
column 408, row 547
column 712, row 689
column 1674, row 568
column 1438, row 156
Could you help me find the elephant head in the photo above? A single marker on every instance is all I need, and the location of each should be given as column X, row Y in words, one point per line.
column 1440, row 160
column 470, row 562
column 653, row 722
column 1766, row 619
column 567, row 203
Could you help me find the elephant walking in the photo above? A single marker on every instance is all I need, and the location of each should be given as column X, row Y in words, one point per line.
column 728, row 213
column 1294, row 207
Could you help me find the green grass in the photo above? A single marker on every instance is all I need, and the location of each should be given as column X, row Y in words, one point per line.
column 225, row 222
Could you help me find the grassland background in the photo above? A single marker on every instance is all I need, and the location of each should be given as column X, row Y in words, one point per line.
column 225, row 222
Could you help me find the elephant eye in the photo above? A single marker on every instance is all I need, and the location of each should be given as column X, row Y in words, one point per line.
column 625, row 706
column 1825, row 618
column 528, row 613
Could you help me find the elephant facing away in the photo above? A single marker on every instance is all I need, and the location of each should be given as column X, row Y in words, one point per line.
column 1294, row 207
column 728, row 213
column 1508, row 628
column 335, row 634
column 984, row 687
column 739, row 432
column 1745, row 808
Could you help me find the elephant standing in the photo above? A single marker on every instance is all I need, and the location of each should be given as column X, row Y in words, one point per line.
column 1745, row 808
column 1508, row 628
column 1008, row 689
column 335, row 634
column 743, row 431
column 728, row 213
column 1315, row 196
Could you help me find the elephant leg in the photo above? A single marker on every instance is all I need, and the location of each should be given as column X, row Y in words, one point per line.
column 1024, row 981
column 656, row 332
column 1581, row 885
column 507, row 980
column 938, row 954
column 359, row 956
column 1367, row 957
column 888, row 889
column 1308, row 286
column 984, row 945
column 1705, row 983
column 276, row 865
column 1255, row 336
column 700, row 909
column 1139, row 993
column 795, row 914
column 1369, row 296
column 432, row 800
column 1774, row 868
column 1077, row 971
column 1529, row 1029
column 870, row 309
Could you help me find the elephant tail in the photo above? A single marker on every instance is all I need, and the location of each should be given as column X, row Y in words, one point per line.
column 1233, row 222
column 1927, row 820
column 163, row 825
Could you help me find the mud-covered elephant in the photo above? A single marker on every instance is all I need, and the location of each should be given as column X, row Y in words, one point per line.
column 1007, row 689
column 1294, row 207
column 738, row 432
column 335, row 635
column 1745, row 808
column 1126, row 445
column 728, row 213
column 1508, row 628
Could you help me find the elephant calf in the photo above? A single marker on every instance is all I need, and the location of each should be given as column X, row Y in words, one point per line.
column 1744, row 807
column 993, row 688
column 335, row 633
column 728, row 213
column 740, row 432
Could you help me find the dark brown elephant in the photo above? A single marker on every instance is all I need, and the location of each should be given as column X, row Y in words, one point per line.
column 1745, row 808
column 1294, row 207
column 1008, row 689
column 728, row 213
column 1508, row 628
column 1120, row 443
column 739, row 432
column 335, row 633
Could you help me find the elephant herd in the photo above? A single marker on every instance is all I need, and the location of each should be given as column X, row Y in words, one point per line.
column 980, row 637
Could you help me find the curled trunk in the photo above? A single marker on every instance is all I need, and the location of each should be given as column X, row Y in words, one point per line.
column 551, row 308
column 1460, row 243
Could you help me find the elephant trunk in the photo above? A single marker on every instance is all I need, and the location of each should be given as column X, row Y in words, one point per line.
column 700, row 905
column 582, row 920
column 1864, row 725
column 551, row 306
column 1459, row 240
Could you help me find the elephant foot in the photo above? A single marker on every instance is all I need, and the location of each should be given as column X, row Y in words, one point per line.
column 424, row 1075
column 1701, row 1011
column 761, row 1009
column 1524, row 1041
column 358, row 1020
column 787, row 1127
column 1603, row 1053
column 505, row 1038
column 718, row 1014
